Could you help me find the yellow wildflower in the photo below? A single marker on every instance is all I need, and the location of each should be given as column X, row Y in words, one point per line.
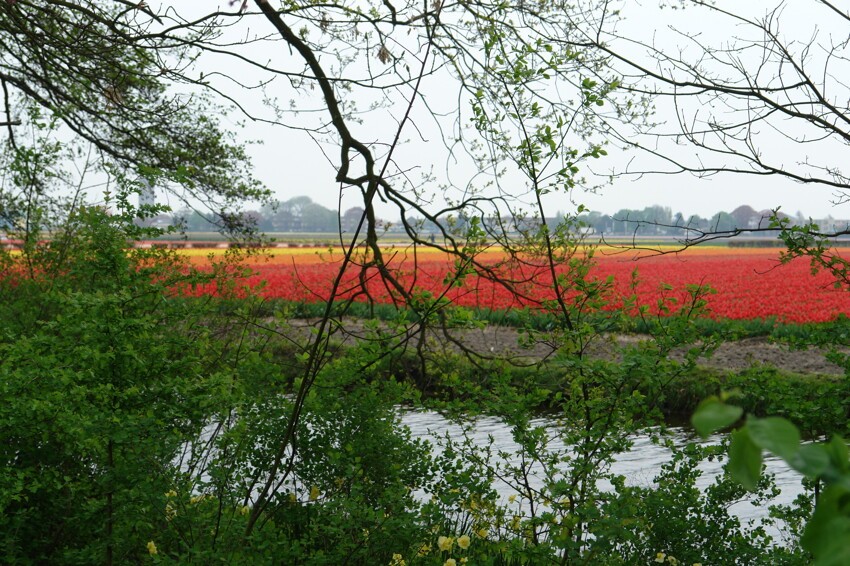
column 672, row 561
column 463, row 542
column 482, row 532
column 170, row 511
column 397, row 560
column 464, row 560
column 424, row 550
column 171, row 493
column 314, row 493
column 697, row 563
column 445, row 543
column 151, row 548
column 450, row 562
column 292, row 498
column 245, row 510
column 660, row 557
column 512, row 499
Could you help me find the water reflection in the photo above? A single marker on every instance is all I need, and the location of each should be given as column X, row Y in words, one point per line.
column 639, row 465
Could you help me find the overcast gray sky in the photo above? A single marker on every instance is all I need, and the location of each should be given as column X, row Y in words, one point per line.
column 291, row 163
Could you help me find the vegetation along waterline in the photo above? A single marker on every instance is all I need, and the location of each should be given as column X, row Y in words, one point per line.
column 224, row 367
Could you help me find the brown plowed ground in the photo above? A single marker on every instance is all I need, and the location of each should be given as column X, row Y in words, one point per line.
column 496, row 341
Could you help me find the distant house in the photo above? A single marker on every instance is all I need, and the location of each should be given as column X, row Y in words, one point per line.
column 745, row 217
column 350, row 220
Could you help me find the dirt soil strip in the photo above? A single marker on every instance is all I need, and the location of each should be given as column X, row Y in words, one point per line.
column 503, row 342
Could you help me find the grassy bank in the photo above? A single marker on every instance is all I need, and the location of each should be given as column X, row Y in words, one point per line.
column 818, row 404
column 708, row 327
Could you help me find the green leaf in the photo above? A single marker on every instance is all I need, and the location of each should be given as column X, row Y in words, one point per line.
column 838, row 552
column 838, row 453
column 826, row 532
column 744, row 459
column 713, row 415
column 810, row 460
column 775, row 434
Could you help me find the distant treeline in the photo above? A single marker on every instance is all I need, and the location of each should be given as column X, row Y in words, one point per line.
column 661, row 221
column 301, row 214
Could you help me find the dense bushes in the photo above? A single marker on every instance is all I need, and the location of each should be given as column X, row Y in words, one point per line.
column 137, row 426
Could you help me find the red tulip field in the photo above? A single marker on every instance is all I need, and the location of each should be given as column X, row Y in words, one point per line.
column 749, row 283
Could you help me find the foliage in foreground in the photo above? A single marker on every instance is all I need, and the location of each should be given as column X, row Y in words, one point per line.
column 825, row 463
column 135, row 427
column 108, row 376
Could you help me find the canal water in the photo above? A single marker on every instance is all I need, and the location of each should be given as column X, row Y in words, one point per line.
column 640, row 465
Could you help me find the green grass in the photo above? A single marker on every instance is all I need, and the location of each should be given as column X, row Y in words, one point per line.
column 516, row 318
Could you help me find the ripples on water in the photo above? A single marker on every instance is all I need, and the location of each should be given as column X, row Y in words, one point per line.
column 639, row 465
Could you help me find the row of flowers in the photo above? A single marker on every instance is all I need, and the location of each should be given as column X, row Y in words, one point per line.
column 747, row 285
